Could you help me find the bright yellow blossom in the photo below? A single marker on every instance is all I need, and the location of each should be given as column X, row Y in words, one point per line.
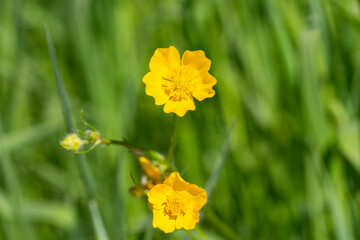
column 176, row 203
column 174, row 82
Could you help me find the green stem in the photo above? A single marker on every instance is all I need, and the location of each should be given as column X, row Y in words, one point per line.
column 84, row 168
column 220, row 162
column 82, row 161
column 134, row 149
column 219, row 225
column 172, row 140
column 97, row 221
column 192, row 236
column 137, row 151
column 201, row 233
column 59, row 82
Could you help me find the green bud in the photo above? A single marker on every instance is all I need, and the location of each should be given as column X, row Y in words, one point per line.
column 92, row 136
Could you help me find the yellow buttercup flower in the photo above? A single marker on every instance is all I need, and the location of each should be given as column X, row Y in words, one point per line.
column 176, row 203
column 175, row 82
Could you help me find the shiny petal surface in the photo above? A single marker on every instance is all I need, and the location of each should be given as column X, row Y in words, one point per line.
column 153, row 88
column 199, row 198
column 194, row 63
column 165, row 61
column 179, row 107
column 162, row 221
column 176, row 182
column 158, row 194
column 204, row 84
column 149, row 169
column 187, row 221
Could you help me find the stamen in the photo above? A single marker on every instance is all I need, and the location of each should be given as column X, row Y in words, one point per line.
column 178, row 88
column 176, row 203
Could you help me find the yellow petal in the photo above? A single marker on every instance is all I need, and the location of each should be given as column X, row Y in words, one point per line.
column 162, row 221
column 204, row 85
column 165, row 61
column 149, row 169
column 176, row 182
column 158, row 194
column 194, row 63
column 199, row 196
column 179, row 107
column 187, row 221
column 153, row 88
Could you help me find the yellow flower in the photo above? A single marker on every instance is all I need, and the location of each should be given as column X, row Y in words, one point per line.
column 176, row 204
column 175, row 82
column 150, row 170
column 72, row 142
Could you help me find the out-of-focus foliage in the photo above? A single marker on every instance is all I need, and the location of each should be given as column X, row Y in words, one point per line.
column 287, row 71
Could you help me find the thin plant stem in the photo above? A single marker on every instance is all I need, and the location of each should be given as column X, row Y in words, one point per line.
column 201, row 233
column 137, row 151
column 134, row 149
column 59, row 83
column 97, row 221
column 82, row 161
column 219, row 225
column 172, row 140
column 220, row 162
column 192, row 236
column 84, row 169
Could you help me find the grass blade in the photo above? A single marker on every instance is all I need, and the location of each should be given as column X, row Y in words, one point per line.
column 220, row 162
column 83, row 165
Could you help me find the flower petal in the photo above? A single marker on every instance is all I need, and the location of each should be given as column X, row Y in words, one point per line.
column 179, row 107
column 187, row 221
column 204, row 84
column 199, row 199
column 165, row 61
column 194, row 63
column 149, row 169
column 176, row 182
column 158, row 194
column 153, row 88
column 162, row 221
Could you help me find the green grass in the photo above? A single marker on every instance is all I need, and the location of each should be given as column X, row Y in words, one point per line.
column 288, row 72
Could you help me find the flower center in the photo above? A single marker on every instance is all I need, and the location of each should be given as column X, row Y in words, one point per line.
column 176, row 203
column 177, row 87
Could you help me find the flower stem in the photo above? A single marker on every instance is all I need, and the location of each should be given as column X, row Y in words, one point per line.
column 192, row 237
column 135, row 150
column 84, row 168
column 201, row 233
column 172, row 140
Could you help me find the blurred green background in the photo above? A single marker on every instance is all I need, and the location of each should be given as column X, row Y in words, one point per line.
column 288, row 76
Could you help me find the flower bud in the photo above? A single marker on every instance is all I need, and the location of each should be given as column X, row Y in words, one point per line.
column 92, row 136
column 72, row 142
column 150, row 170
column 137, row 191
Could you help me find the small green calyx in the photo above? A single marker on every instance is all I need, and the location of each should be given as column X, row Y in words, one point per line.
column 92, row 136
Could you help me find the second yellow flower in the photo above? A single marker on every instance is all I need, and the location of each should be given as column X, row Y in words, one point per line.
column 175, row 82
